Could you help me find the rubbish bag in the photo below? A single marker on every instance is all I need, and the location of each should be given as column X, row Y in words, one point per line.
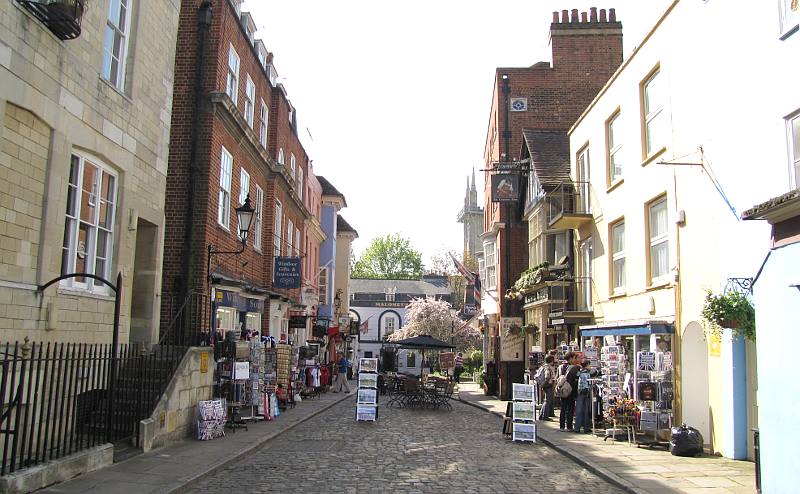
column 686, row 441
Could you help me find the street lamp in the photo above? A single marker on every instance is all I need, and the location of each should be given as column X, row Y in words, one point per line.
column 244, row 215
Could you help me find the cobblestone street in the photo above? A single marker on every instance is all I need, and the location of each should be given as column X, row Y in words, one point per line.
column 405, row 451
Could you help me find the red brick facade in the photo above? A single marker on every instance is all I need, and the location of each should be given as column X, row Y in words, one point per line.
column 587, row 49
column 203, row 133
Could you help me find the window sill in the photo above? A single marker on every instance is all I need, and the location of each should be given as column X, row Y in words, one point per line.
column 81, row 292
column 223, row 227
column 658, row 285
column 614, row 185
column 617, row 295
column 115, row 88
column 653, row 156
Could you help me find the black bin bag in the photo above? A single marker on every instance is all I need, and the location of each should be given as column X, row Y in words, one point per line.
column 686, row 441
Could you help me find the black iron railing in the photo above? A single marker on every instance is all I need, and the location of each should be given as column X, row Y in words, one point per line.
column 187, row 320
column 569, row 198
column 57, row 398
column 62, row 17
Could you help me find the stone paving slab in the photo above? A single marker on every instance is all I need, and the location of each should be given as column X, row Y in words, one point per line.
column 173, row 468
column 637, row 470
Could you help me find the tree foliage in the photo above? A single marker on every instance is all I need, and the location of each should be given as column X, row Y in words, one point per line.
column 436, row 318
column 389, row 258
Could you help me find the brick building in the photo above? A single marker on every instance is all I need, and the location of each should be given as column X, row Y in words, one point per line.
column 84, row 115
column 586, row 50
column 234, row 136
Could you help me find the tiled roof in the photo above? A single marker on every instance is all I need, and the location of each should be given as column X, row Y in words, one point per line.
column 328, row 189
column 549, row 152
column 343, row 226
column 425, row 286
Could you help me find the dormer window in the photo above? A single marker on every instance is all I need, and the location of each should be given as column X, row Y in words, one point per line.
column 273, row 74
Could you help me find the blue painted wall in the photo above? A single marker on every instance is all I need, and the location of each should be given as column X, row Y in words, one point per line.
column 327, row 255
column 777, row 324
column 734, row 396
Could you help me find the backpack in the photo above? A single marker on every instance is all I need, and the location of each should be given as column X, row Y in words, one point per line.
column 563, row 387
column 539, row 376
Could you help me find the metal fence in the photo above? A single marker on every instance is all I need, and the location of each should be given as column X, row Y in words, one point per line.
column 186, row 319
column 569, row 198
column 59, row 398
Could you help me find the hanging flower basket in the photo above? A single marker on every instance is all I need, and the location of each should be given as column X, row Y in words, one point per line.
column 730, row 310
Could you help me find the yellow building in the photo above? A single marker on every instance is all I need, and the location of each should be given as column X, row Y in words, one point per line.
column 662, row 160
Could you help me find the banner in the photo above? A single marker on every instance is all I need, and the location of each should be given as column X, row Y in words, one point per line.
column 287, row 272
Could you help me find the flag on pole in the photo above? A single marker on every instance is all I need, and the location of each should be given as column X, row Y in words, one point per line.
column 470, row 277
column 364, row 328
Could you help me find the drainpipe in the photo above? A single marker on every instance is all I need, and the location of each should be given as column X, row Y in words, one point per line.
column 203, row 28
column 676, row 338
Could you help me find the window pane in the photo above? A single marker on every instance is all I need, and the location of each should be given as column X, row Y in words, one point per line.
column 619, row 273
column 618, row 238
column 81, row 252
column 659, row 259
column 658, row 219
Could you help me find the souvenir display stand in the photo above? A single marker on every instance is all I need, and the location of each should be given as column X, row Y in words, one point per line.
column 211, row 423
column 636, row 387
column 522, row 412
column 367, row 402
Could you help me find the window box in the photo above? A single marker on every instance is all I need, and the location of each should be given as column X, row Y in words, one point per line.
column 62, row 17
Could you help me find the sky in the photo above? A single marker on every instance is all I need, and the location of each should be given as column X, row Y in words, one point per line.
column 393, row 98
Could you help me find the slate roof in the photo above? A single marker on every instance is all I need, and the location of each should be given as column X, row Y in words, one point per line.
column 343, row 226
column 426, row 286
column 329, row 190
column 549, row 152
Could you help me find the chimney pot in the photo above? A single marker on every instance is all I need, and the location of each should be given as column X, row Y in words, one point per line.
column 574, row 16
column 612, row 15
column 565, row 16
column 593, row 16
column 603, row 15
column 584, row 17
column 555, row 18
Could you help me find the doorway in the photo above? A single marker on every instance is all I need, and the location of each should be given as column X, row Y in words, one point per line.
column 144, row 322
column 694, row 381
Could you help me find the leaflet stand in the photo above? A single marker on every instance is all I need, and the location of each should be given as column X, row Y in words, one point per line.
column 367, row 403
column 523, row 413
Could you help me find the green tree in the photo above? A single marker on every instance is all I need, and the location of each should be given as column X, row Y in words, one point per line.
column 389, row 257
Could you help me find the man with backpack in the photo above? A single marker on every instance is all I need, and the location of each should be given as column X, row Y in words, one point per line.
column 567, row 389
column 583, row 417
column 545, row 377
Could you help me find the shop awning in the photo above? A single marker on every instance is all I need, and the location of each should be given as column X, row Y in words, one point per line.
column 624, row 328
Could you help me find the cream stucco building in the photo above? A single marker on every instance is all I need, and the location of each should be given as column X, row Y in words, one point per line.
column 689, row 132
column 85, row 120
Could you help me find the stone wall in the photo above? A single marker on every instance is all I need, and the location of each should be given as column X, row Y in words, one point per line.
column 175, row 416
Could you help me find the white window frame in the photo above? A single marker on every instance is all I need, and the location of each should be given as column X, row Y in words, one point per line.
column 614, row 146
column 297, row 242
column 249, row 100
column 586, row 253
column 244, row 185
column 277, row 236
column 281, row 157
column 653, row 113
column 259, row 218
column 793, row 142
column 232, row 79
column 322, row 283
column 113, row 28
column 72, row 248
column 225, row 173
column 263, row 124
column 657, row 241
column 617, row 259
column 292, row 165
column 289, row 237
column 389, row 324
column 300, row 183
column 489, row 255
column 789, row 21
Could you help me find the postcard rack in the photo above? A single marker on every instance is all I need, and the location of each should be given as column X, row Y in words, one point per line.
column 367, row 402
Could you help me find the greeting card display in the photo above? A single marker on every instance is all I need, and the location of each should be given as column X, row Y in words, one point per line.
column 523, row 432
column 521, row 413
column 366, row 413
column 367, row 396
column 522, row 392
column 524, row 410
column 646, row 361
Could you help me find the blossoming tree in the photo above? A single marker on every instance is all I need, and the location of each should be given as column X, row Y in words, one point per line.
column 436, row 318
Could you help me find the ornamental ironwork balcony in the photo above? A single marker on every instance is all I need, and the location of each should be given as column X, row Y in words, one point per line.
column 62, row 17
column 576, row 306
column 570, row 206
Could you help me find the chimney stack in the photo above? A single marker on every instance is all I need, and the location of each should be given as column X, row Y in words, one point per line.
column 602, row 15
column 593, row 17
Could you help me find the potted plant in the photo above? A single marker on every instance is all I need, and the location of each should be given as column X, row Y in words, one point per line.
column 731, row 310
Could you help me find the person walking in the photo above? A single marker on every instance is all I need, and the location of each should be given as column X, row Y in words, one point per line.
column 582, row 418
column 341, row 377
column 548, row 382
column 569, row 371
column 459, row 361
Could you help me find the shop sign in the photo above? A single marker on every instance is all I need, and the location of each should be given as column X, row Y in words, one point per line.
column 287, row 272
column 511, row 324
column 297, row 322
column 253, row 304
column 447, row 360
column 470, row 310
column 235, row 300
column 512, row 347
column 505, row 187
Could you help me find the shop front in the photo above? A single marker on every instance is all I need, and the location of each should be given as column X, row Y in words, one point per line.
column 238, row 311
column 636, row 385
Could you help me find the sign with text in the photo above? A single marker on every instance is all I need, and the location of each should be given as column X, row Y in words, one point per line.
column 512, row 347
column 287, row 272
column 297, row 322
column 447, row 360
